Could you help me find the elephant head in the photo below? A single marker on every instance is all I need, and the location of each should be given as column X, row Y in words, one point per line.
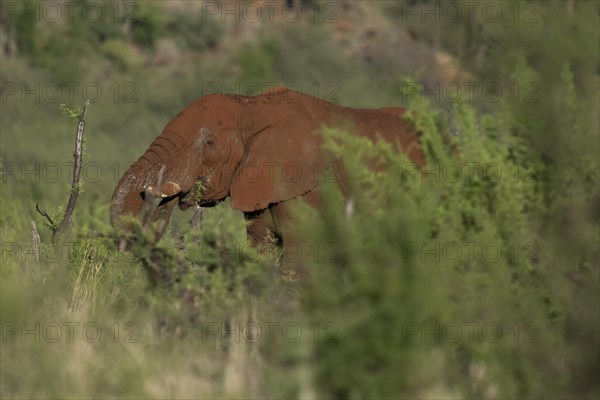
column 244, row 147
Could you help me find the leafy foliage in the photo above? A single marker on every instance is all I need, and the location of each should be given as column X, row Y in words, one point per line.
column 426, row 251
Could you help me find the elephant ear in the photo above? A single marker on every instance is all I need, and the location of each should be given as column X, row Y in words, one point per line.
column 280, row 162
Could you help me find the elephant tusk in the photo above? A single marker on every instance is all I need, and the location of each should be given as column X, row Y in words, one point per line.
column 168, row 189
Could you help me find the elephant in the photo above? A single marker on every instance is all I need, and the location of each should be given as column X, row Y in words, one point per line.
column 261, row 151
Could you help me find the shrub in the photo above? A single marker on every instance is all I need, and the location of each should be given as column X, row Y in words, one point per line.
column 402, row 271
column 148, row 25
column 196, row 32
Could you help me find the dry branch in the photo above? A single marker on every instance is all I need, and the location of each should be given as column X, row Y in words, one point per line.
column 149, row 206
column 157, row 262
column 197, row 217
column 45, row 215
column 64, row 226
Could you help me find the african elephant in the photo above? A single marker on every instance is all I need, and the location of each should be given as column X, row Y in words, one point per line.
column 261, row 151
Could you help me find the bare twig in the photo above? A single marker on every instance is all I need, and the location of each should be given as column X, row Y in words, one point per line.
column 197, row 217
column 65, row 224
column 156, row 261
column 162, row 225
column 45, row 215
column 197, row 220
column 349, row 208
column 36, row 241
column 149, row 207
column 123, row 245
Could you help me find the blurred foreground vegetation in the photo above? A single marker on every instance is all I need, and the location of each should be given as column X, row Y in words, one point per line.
column 479, row 279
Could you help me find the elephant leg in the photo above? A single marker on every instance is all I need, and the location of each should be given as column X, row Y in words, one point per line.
column 275, row 223
column 262, row 228
column 297, row 252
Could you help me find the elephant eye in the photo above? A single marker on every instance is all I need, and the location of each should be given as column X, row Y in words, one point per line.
column 206, row 138
column 205, row 142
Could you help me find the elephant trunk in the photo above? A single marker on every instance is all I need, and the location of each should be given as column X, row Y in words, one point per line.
column 127, row 198
column 128, row 195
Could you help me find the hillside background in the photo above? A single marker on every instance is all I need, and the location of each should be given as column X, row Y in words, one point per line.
column 509, row 84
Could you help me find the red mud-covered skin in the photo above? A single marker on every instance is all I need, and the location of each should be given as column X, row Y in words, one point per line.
column 261, row 151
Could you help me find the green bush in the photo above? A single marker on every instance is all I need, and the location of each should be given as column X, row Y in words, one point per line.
column 148, row 25
column 119, row 53
column 196, row 32
column 394, row 276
